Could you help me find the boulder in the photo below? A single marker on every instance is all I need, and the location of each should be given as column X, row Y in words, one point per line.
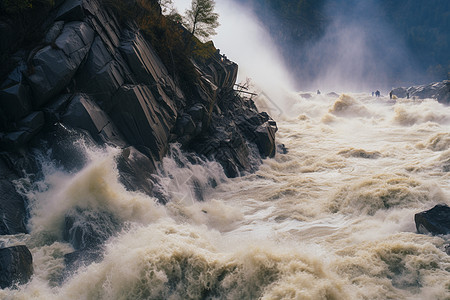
column 434, row 221
column 88, row 228
column 54, row 66
column 143, row 121
column 16, row 266
column 101, row 75
column 12, row 204
column 25, row 130
column 136, row 171
column 53, row 32
column 71, row 10
column 15, row 101
column 438, row 90
column 15, row 98
column 85, row 114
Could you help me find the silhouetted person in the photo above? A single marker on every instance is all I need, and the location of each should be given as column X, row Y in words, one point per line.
column 377, row 93
column 390, row 95
column 318, row 92
column 407, row 95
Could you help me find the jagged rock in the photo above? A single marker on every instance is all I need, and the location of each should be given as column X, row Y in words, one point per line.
column 79, row 258
column 88, row 228
column 15, row 99
column 25, row 130
column 105, row 24
column 62, row 143
column 12, row 204
column 136, row 171
column 144, row 122
column 438, row 90
column 71, row 10
column 54, row 68
column 53, row 32
column 85, row 114
column 333, row 94
column 434, row 221
column 147, row 66
column 16, row 266
column 101, row 75
column 265, row 138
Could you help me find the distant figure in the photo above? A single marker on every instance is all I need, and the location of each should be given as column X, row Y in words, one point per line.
column 377, row 93
column 373, row 93
column 318, row 92
column 390, row 95
column 407, row 95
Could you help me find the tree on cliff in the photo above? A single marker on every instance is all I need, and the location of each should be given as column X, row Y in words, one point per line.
column 200, row 19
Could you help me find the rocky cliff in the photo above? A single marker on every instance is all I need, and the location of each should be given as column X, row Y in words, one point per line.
column 94, row 77
column 438, row 90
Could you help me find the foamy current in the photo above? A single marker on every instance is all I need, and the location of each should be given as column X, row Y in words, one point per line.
column 331, row 219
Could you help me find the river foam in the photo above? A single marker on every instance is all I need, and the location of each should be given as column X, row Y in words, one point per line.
column 333, row 218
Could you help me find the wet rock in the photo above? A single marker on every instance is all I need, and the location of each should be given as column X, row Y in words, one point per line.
column 88, row 228
column 53, row 68
column 24, row 131
column 144, row 122
column 101, row 75
column 15, row 98
column 148, row 68
column 77, row 259
column 64, row 146
column 53, row 32
column 136, row 171
column 15, row 101
column 12, row 204
column 85, row 114
column 282, row 149
column 16, row 266
column 71, row 10
column 438, row 90
column 333, row 94
column 434, row 221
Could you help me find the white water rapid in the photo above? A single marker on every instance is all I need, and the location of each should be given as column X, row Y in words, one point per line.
column 331, row 219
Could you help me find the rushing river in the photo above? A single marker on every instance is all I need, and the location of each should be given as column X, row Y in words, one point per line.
column 331, row 219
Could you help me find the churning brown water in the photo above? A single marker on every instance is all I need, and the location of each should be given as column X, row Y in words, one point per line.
column 331, row 219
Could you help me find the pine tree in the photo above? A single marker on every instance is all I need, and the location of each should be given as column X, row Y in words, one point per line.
column 201, row 20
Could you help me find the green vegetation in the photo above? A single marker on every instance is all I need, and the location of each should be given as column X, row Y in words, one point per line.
column 173, row 43
column 201, row 20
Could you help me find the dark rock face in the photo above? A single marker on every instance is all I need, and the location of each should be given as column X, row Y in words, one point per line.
column 94, row 79
column 12, row 204
column 439, row 91
column 434, row 221
column 54, row 66
column 16, row 266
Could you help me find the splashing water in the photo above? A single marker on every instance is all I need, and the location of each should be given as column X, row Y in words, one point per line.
column 331, row 219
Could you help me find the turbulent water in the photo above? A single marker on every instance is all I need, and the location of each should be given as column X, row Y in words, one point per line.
column 331, row 219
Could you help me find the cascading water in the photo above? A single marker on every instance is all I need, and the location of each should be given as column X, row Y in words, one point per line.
column 330, row 219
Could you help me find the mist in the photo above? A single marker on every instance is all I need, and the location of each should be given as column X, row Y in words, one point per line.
column 244, row 40
column 358, row 52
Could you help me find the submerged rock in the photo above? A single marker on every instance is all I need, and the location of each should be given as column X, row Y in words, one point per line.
column 434, row 221
column 16, row 266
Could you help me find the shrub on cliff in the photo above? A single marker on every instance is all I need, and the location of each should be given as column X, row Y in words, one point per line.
column 173, row 43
